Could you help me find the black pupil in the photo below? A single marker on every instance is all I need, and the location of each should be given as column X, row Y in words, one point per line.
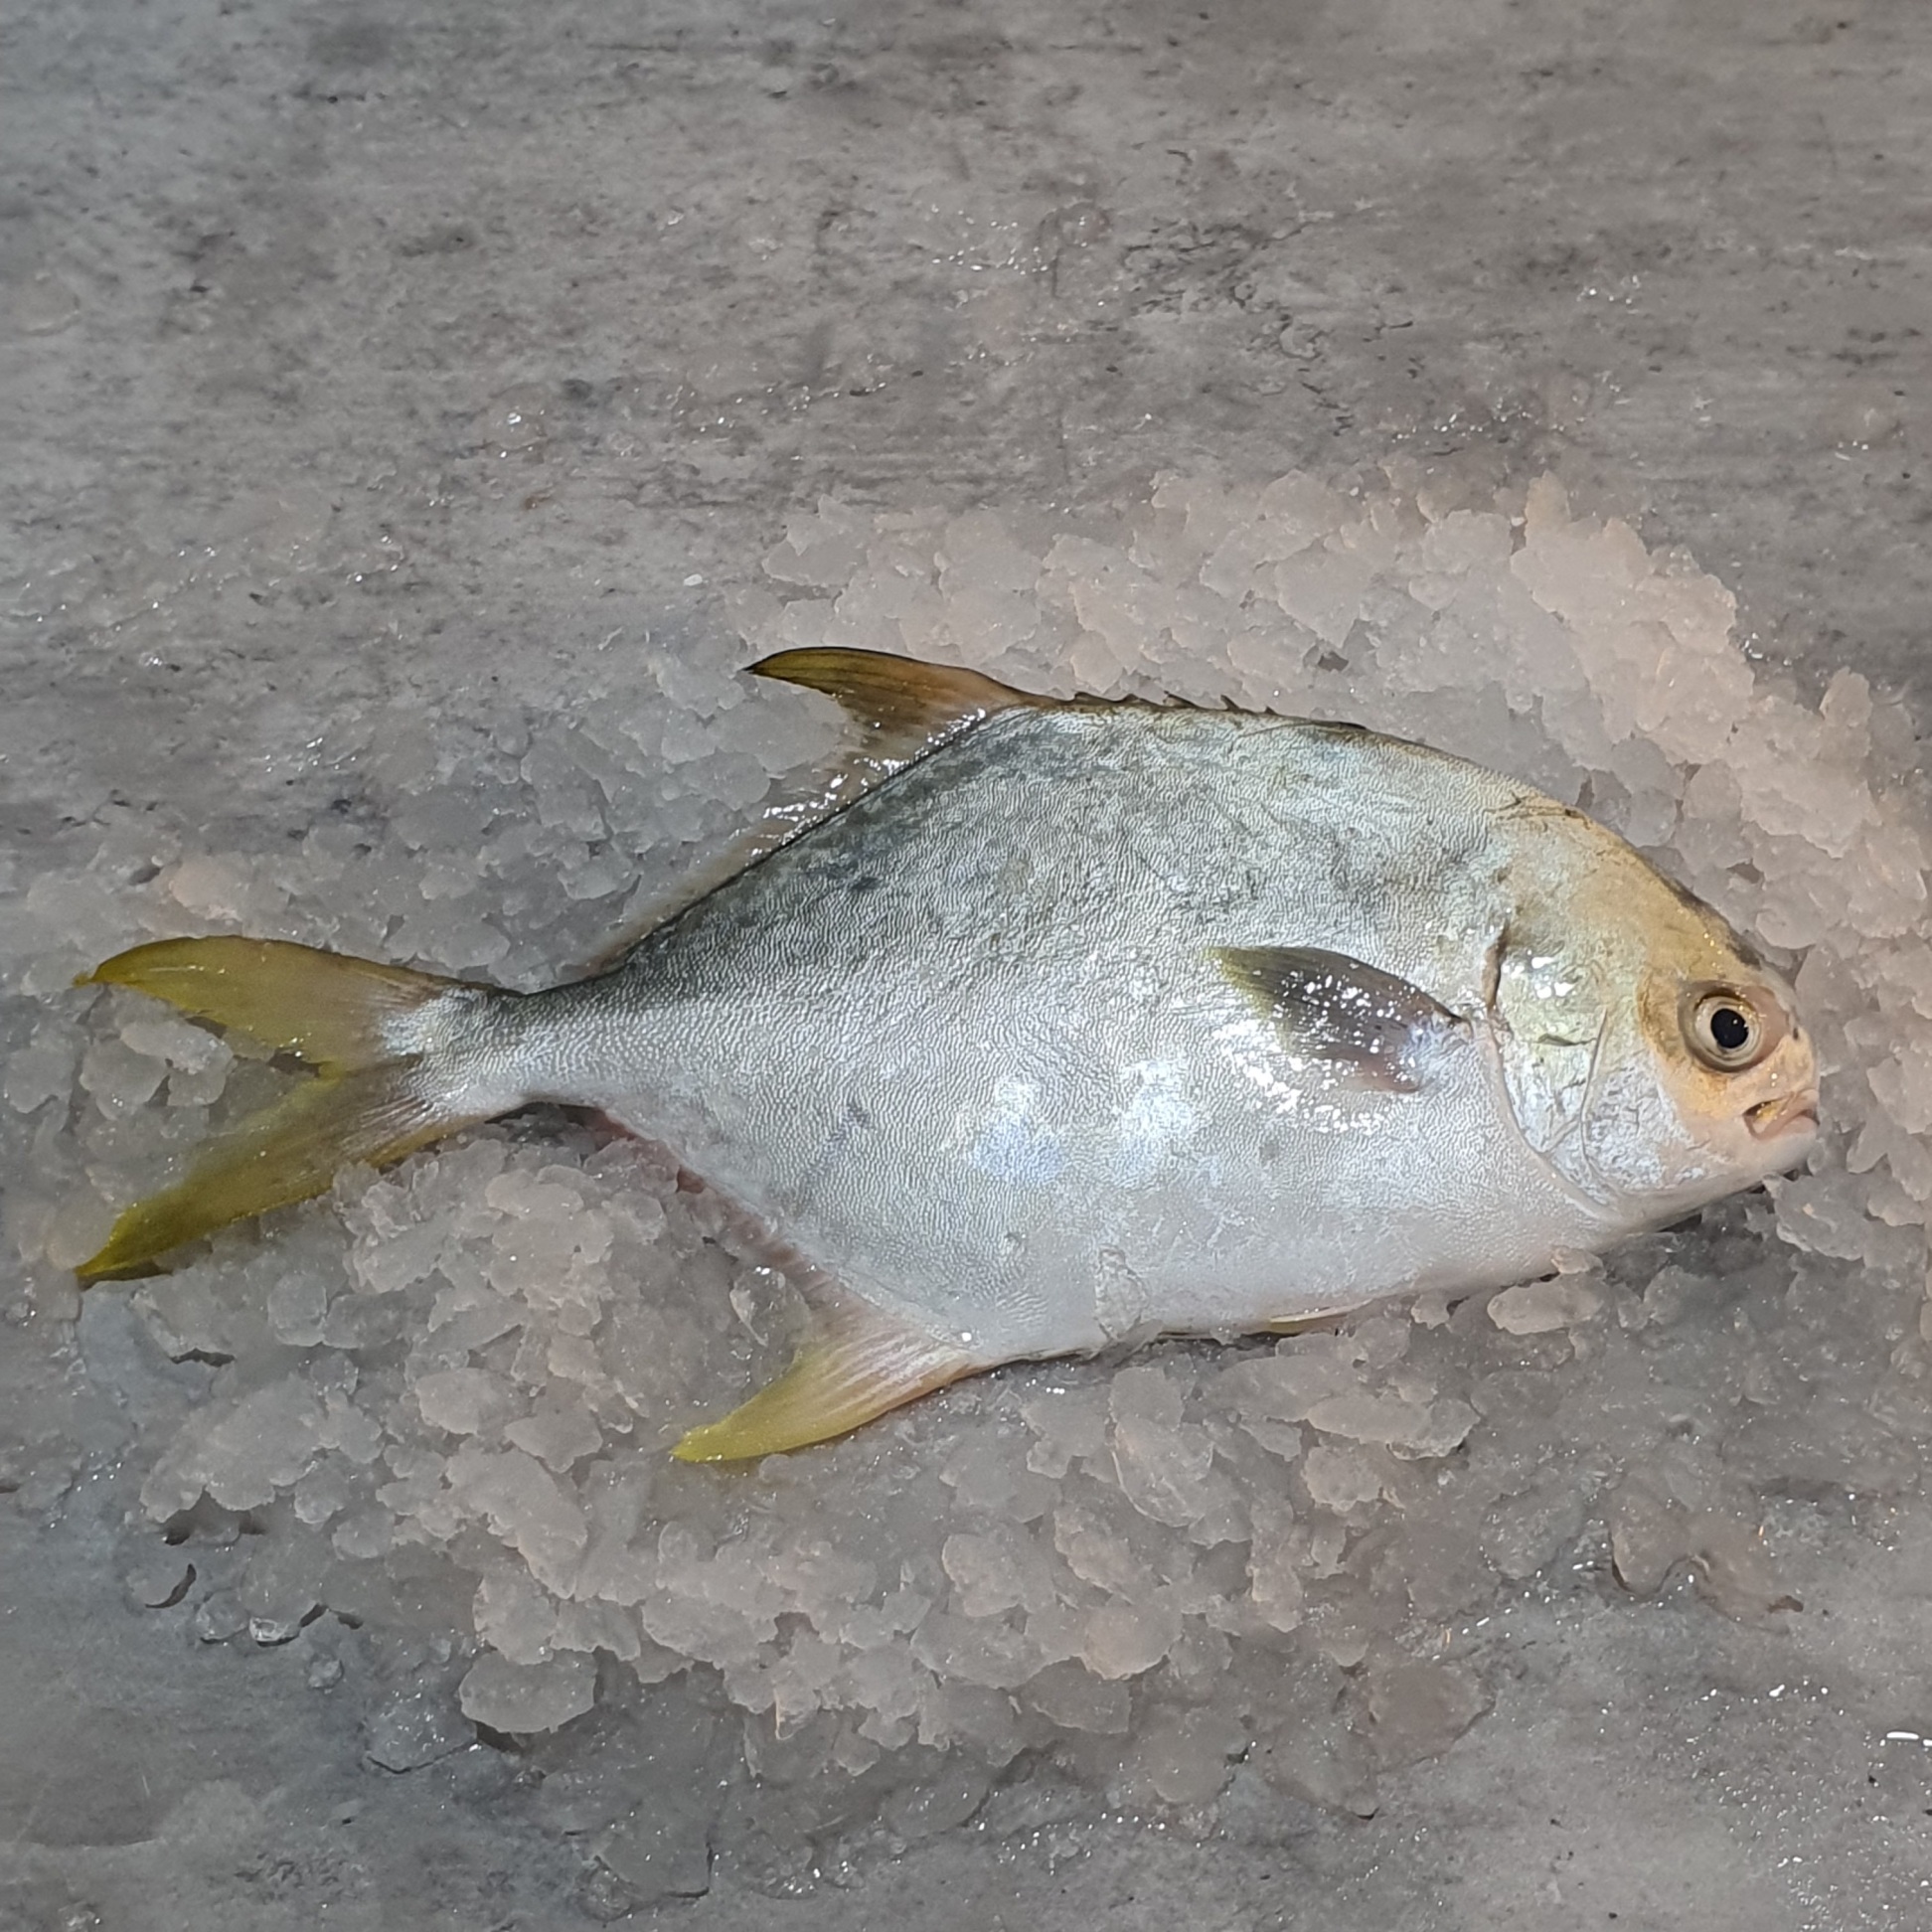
column 1729, row 1029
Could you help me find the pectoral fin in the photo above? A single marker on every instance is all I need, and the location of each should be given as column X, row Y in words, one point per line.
column 857, row 1365
column 1365, row 1028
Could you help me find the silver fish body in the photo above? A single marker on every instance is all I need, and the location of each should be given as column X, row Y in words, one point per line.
column 1089, row 1022
column 969, row 1047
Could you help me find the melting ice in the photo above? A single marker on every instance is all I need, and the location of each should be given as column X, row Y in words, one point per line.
column 437, row 1404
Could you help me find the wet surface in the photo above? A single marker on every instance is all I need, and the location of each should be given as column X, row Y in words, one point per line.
column 387, row 395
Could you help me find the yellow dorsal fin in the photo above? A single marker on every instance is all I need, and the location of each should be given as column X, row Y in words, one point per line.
column 906, row 708
column 856, row 1365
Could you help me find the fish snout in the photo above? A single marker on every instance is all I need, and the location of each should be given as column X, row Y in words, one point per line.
column 1787, row 1114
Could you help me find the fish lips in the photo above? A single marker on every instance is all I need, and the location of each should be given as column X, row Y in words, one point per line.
column 1791, row 1117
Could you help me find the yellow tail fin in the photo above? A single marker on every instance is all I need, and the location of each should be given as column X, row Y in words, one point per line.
column 370, row 1100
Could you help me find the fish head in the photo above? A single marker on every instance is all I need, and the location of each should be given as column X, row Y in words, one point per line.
column 1653, row 1058
column 1732, row 1062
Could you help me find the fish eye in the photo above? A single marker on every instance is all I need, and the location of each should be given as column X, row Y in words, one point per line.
column 1727, row 1029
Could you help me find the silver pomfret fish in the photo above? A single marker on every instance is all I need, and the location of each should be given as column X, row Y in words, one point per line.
column 1086, row 1021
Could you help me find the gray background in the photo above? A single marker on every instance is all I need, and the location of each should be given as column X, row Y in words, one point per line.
column 506, row 321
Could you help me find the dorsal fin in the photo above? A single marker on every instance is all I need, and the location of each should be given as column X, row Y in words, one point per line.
column 905, row 707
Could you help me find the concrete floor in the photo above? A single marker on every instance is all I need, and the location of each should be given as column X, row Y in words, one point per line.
column 354, row 354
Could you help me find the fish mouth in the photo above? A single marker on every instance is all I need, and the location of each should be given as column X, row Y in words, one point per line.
column 1795, row 1113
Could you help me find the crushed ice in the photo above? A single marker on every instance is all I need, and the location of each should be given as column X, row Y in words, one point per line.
column 439, row 1402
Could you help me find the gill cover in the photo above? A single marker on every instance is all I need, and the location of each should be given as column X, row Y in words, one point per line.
column 1550, row 1022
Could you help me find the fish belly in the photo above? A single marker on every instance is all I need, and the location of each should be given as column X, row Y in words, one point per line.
column 1025, row 1200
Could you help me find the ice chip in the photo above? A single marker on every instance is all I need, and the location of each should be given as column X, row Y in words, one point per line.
column 297, row 1307
column 1067, row 1423
column 558, row 1436
column 1538, row 1306
column 1410, row 1428
column 523, row 1698
column 241, row 1454
column 119, row 1078
column 39, row 1071
column 465, row 1401
column 1073, row 1698
column 514, row 1615
column 1187, row 1756
column 416, row 1726
column 1001, row 1570
column 1124, row 1640
column 1421, row 1709
column 524, row 1506
column 1340, row 1479
column 1274, row 1581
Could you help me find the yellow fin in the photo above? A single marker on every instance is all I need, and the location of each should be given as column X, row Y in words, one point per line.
column 905, row 707
column 327, row 1007
column 858, row 1365
column 366, row 1103
column 286, row 1153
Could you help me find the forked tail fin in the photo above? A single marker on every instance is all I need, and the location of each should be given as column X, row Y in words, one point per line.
column 382, row 1087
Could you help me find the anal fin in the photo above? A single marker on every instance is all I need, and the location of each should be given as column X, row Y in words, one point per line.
column 1301, row 1323
column 856, row 1365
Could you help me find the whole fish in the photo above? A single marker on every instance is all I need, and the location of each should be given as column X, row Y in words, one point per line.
column 1084, row 1022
